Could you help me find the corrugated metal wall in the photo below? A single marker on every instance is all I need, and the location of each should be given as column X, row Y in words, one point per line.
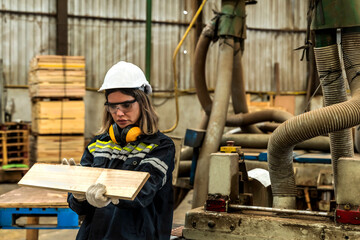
column 25, row 35
column 276, row 28
column 122, row 37
column 112, row 30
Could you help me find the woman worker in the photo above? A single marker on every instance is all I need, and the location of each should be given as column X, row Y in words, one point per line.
column 129, row 139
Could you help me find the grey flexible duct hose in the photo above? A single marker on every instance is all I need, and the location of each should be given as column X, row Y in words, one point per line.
column 357, row 138
column 251, row 140
column 267, row 126
column 334, row 91
column 239, row 100
column 350, row 47
column 255, row 117
column 238, row 90
column 297, row 129
column 199, row 68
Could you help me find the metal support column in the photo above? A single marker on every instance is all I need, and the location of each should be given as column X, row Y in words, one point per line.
column 61, row 27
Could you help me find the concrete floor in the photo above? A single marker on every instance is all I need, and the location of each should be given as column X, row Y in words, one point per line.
column 178, row 220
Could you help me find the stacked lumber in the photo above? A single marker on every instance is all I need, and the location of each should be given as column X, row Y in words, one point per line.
column 49, row 149
column 57, row 76
column 58, row 117
column 57, row 89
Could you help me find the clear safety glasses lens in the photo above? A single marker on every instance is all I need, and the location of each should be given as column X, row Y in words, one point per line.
column 122, row 106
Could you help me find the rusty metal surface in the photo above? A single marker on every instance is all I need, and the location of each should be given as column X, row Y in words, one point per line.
column 305, row 174
column 252, row 225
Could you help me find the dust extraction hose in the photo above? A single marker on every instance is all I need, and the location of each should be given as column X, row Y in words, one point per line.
column 332, row 118
column 239, row 100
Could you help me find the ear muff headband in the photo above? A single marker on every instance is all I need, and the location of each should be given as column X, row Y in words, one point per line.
column 128, row 134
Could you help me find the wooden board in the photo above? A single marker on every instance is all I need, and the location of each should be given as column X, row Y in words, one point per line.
column 57, row 62
column 28, row 197
column 286, row 102
column 58, row 117
column 57, row 83
column 46, row 149
column 122, row 184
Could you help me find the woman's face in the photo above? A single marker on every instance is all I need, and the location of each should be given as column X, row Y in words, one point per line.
column 124, row 109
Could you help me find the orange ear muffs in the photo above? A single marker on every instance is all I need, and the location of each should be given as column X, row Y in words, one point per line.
column 132, row 134
column 123, row 136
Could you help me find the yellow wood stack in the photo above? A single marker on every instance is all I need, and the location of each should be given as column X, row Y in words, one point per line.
column 57, row 88
column 57, row 76
column 52, row 148
column 58, row 117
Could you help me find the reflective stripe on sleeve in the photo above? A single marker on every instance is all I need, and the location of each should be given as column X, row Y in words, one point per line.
column 158, row 164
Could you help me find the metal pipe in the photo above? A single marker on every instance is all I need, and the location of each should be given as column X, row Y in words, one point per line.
column 238, row 89
column 245, row 119
column 184, row 169
column 199, row 67
column 217, row 120
column 267, row 126
column 247, row 140
column 148, row 40
column 281, row 210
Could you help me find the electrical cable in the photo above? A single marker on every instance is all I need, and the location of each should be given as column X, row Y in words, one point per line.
column 174, row 66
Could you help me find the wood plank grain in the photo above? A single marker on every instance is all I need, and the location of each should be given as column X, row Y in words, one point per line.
column 122, row 184
column 28, row 197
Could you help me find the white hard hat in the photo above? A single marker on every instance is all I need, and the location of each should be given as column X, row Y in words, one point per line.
column 125, row 75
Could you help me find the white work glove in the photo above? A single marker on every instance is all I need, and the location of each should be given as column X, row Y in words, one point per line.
column 78, row 196
column 70, row 162
column 95, row 195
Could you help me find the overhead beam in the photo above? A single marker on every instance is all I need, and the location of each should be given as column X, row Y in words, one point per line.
column 61, row 27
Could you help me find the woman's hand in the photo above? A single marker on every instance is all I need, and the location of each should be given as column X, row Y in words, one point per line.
column 78, row 196
column 95, row 195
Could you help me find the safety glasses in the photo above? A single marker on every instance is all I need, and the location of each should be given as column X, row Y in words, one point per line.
column 125, row 106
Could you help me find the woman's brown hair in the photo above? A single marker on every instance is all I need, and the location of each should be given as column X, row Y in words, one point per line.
column 148, row 121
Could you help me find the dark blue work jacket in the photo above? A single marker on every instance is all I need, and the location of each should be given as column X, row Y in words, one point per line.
column 149, row 216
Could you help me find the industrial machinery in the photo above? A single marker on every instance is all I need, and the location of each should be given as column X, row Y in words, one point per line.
column 232, row 194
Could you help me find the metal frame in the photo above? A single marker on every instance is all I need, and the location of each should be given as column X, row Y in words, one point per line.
column 66, row 218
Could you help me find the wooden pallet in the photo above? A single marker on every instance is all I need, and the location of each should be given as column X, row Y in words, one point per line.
column 14, row 144
column 57, row 76
column 62, row 116
column 52, row 149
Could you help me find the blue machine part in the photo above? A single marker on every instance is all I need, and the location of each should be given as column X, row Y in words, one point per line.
column 66, row 218
column 251, row 157
column 313, row 158
column 324, row 158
